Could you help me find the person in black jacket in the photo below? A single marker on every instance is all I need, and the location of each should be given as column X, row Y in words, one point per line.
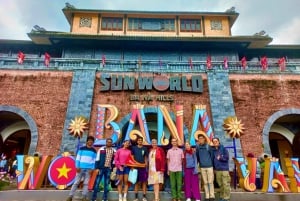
column 104, row 160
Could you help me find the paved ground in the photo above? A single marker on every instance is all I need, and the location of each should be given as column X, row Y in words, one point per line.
column 60, row 195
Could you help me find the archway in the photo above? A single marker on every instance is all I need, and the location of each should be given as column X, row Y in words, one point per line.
column 18, row 131
column 280, row 134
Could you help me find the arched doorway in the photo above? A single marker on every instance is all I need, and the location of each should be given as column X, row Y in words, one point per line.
column 18, row 132
column 280, row 139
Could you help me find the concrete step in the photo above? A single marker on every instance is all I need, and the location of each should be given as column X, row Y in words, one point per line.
column 61, row 195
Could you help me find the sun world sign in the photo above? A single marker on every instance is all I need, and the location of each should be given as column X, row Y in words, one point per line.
column 160, row 83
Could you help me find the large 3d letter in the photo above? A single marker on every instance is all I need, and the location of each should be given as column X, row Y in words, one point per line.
column 293, row 174
column 137, row 114
column 109, row 123
column 200, row 111
column 35, row 171
column 274, row 177
column 176, row 132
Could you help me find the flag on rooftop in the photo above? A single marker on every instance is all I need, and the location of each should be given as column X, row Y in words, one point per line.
column 21, row 57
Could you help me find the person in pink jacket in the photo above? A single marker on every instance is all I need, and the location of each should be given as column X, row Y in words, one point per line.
column 122, row 170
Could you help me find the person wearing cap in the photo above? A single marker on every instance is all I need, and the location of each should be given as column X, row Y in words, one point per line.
column 221, row 164
column 85, row 163
column 205, row 160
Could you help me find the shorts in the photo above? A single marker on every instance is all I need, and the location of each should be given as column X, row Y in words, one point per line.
column 142, row 175
column 125, row 171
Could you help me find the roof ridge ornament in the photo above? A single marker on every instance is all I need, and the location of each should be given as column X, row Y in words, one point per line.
column 261, row 33
column 69, row 6
column 231, row 10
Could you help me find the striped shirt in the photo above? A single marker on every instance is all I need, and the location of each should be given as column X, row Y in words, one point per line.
column 85, row 158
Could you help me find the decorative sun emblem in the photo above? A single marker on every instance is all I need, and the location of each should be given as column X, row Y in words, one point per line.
column 77, row 126
column 233, row 127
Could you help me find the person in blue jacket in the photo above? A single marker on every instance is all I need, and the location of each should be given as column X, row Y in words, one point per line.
column 221, row 166
column 85, row 163
column 205, row 159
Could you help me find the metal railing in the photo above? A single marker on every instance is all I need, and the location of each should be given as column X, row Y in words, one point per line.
column 67, row 64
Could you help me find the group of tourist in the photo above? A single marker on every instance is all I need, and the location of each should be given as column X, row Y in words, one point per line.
column 178, row 163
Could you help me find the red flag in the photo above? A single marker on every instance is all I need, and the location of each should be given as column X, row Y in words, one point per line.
column 47, row 59
column 191, row 62
column 160, row 62
column 264, row 63
column 282, row 63
column 208, row 62
column 244, row 62
column 103, row 60
column 140, row 62
column 21, row 57
column 226, row 63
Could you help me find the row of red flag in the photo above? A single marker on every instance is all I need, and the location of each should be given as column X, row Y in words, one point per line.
column 243, row 61
column 21, row 58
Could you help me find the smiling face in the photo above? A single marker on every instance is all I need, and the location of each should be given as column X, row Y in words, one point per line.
column 89, row 143
column 140, row 141
column 154, row 143
column 201, row 139
column 126, row 144
column 187, row 146
column 174, row 142
column 216, row 142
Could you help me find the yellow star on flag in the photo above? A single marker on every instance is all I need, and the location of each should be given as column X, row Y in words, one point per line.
column 63, row 171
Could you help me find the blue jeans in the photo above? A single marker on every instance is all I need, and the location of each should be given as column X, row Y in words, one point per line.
column 84, row 173
column 103, row 172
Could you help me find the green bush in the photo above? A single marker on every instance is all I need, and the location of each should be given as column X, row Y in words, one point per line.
column 3, row 184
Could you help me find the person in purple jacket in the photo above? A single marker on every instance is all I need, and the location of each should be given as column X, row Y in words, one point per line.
column 221, row 165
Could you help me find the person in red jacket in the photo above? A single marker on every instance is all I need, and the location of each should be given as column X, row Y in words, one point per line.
column 156, row 167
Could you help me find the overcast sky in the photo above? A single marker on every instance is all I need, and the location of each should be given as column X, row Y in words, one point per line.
column 279, row 18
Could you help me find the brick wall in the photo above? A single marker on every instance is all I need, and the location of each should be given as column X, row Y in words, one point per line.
column 44, row 96
column 256, row 98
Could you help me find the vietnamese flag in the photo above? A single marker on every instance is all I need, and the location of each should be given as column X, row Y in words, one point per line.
column 264, row 63
column 47, row 59
column 226, row 63
column 244, row 62
column 282, row 63
column 208, row 62
column 21, row 57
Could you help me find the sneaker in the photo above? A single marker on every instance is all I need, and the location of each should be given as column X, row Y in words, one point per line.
column 136, row 199
column 69, row 198
column 85, row 199
column 124, row 199
column 189, row 199
column 144, row 199
column 120, row 199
